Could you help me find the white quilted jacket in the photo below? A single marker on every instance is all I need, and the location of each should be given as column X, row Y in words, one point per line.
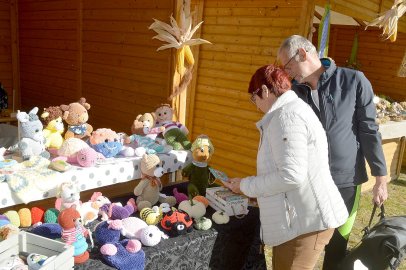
column 295, row 191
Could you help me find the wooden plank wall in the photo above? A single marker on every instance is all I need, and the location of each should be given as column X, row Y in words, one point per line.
column 48, row 52
column 379, row 60
column 6, row 67
column 245, row 36
column 123, row 75
column 101, row 50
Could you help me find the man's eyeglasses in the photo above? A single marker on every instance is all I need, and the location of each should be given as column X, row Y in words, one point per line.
column 253, row 95
column 290, row 59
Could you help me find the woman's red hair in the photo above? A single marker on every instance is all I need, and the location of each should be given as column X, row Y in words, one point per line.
column 274, row 77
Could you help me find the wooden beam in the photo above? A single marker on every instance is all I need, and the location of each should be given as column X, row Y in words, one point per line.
column 79, row 30
column 360, row 22
column 306, row 20
column 317, row 15
column 15, row 58
column 198, row 6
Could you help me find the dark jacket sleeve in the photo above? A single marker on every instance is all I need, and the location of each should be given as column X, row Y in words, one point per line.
column 368, row 133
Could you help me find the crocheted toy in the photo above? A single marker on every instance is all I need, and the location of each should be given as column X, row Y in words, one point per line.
column 73, row 233
column 25, row 217
column 135, row 228
column 176, row 223
column 89, row 211
column 175, row 133
column 8, row 230
column 144, row 145
column 109, row 210
column 76, row 116
column 126, row 254
column 147, row 190
column 14, row 262
column 48, row 230
column 32, row 142
column 144, row 125
column 68, row 194
column 151, row 216
column 52, row 120
column 37, row 261
column 13, row 216
column 106, row 142
column 37, row 215
column 4, row 220
column 51, row 215
column 76, row 151
column 198, row 172
column 180, row 197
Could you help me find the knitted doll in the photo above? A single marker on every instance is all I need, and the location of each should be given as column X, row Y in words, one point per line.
column 198, row 171
column 106, row 142
column 109, row 210
column 174, row 133
column 73, row 233
column 68, row 195
column 147, row 190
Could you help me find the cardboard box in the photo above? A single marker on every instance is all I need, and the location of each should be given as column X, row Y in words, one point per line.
column 222, row 199
column 32, row 243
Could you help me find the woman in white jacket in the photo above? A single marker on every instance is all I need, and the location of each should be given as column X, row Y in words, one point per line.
column 299, row 203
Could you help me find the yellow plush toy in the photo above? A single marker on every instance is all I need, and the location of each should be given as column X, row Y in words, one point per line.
column 52, row 120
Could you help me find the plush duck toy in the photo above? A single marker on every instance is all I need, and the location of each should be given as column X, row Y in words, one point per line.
column 198, row 172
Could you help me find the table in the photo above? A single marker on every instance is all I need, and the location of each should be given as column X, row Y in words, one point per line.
column 8, row 120
column 229, row 246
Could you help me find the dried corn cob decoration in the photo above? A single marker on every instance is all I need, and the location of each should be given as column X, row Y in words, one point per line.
column 389, row 20
column 179, row 36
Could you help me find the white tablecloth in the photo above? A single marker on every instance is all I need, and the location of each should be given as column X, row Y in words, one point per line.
column 391, row 130
column 118, row 171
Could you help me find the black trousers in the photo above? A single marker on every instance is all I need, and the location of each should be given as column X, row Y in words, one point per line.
column 336, row 250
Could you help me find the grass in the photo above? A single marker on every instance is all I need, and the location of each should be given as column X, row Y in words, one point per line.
column 394, row 206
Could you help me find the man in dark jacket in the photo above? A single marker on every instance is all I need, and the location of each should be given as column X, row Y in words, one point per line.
column 342, row 99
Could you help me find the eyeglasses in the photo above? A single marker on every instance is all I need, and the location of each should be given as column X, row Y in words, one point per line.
column 290, row 59
column 253, row 96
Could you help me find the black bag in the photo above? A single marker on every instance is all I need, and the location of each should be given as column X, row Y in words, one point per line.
column 382, row 246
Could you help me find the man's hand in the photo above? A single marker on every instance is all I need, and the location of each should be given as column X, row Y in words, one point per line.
column 380, row 191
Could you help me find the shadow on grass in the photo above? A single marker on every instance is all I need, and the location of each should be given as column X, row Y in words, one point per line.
column 401, row 183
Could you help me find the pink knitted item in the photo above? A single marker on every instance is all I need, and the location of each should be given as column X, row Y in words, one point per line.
column 95, row 196
column 115, row 224
column 133, row 246
column 108, row 249
column 180, row 197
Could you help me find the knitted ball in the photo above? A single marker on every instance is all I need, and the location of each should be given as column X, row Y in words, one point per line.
column 48, row 230
column 13, row 217
column 4, row 220
column 51, row 215
column 124, row 259
column 25, row 217
column 37, row 214
column 151, row 236
column 103, row 234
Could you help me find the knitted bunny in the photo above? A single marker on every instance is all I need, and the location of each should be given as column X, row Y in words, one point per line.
column 32, row 141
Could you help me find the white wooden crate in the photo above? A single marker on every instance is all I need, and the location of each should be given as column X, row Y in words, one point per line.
column 32, row 243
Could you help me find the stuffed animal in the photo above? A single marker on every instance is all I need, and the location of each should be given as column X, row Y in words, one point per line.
column 198, row 172
column 76, row 151
column 144, row 125
column 125, row 254
column 144, row 145
column 32, row 142
column 176, row 223
column 106, row 142
column 135, row 228
column 147, row 190
column 109, row 210
column 76, row 116
column 68, row 194
column 175, row 133
column 52, row 120
column 73, row 233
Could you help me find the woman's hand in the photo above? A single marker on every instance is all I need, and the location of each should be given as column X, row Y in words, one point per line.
column 233, row 184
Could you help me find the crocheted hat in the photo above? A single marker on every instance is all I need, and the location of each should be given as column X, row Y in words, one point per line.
column 4, row 220
column 25, row 217
column 37, row 214
column 51, row 215
column 13, row 217
column 48, row 230
column 108, row 232
column 121, row 255
column 149, row 161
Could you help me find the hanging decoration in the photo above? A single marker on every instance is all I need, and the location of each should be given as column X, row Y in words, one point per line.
column 324, row 32
column 179, row 35
column 353, row 61
column 389, row 20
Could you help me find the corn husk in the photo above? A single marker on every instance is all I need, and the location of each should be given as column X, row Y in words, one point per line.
column 389, row 20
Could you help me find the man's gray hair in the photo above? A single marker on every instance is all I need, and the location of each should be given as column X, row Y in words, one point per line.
column 293, row 43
